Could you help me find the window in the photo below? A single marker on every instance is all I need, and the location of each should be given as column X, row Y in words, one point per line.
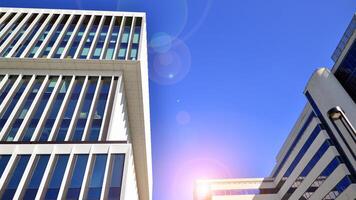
column 15, row 177
column 96, row 178
column 4, row 159
column 35, row 178
column 8, row 85
column 56, row 177
column 115, row 178
column 76, row 179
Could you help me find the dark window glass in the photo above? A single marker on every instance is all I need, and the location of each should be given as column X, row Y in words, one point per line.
column 84, row 110
column 16, row 175
column 28, row 131
column 90, row 38
column 339, row 188
column 101, row 38
column 66, row 37
column 4, row 159
column 10, row 135
column 6, row 88
column 12, row 28
column 136, row 39
column 14, row 100
column 42, row 37
column 113, row 39
column 125, row 39
column 96, row 178
column 46, row 130
column 2, row 25
column 97, row 120
column 116, row 176
column 35, row 178
column 78, row 38
column 56, row 177
column 64, row 125
column 76, row 180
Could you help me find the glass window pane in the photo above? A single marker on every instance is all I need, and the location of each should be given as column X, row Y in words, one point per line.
column 16, row 175
column 97, row 177
column 116, row 176
column 75, row 182
column 56, row 177
column 31, row 189
column 4, row 159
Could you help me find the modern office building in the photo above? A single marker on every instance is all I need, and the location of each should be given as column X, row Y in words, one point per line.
column 74, row 105
column 317, row 161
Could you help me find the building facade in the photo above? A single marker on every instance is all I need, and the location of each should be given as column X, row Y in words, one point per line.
column 74, row 105
column 317, row 161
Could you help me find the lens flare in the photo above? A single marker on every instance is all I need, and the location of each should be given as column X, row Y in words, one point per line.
column 183, row 117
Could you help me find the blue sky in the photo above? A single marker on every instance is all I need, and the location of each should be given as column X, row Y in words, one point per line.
column 226, row 79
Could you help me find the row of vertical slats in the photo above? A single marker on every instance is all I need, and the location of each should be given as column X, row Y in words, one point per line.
column 69, row 18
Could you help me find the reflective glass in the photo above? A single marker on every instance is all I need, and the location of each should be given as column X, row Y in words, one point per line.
column 8, row 85
column 90, row 38
column 96, row 178
column 14, row 127
column 14, row 100
column 4, row 159
column 76, row 179
column 113, row 39
column 56, row 177
column 12, row 28
column 136, row 39
column 125, row 39
column 64, row 124
column 101, row 39
column 66, row 37
column 46, row 130
column 2, row 25
column 84, row 110
column 15, row 177
column 77, row 38
column 116, row 176
column 38, row 111
column 30, row 190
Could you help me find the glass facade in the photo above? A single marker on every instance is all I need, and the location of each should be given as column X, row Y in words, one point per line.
column 113, row 39
column 101, row 38
column 77, row 176
column 96, row 178
column 115, row 179
column 66, row 37
column 90, row 37
column 125, row 39
column 56, row 177
column 77, row 38
column 12, row 27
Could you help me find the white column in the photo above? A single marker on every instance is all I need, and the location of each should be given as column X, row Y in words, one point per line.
column 15, row 32
column 60, row 37
column 25, row 35
column 107, row 179
column 17, row 107
column 37, row 35
column 107, row 39
column 47, row 109
column 107, row 111
column 46, row 176
column 49, row 36
column 84, row 37
column 91, row 110
column 9, row 25
column 88, row 172
column 4, row 17
column 77, row 110
column 119, row 36
column 66, row 176
column 32, row 108
column 74, row 35
column 3, row 82
column 128, row 50
column 25, row 178
column 10, row 94
column 61, row 110
column 96, row 36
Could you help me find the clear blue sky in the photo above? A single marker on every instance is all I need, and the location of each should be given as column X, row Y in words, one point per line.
column 226, row 79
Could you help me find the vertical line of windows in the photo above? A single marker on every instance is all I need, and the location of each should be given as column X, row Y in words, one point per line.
column 29, row 130
column 115, row 178
column 99, row 109
column 323, row 148
column 18, row 35
column 46, row 129
column 54, row 36
column 84, row 110
column 112, row 42
column 96, row 178
column 32, row 33
column 8, row 85
column 300, row 155
column 35, row 177
column 90, row 38
column 329, row 169
column 6, row 21
column 4, row 159
column 10, row 135
column 66, row 37
column 64, row 124
column 43, row 36
column 17, row 173
column 14, row 100
column 77, row 176
column 12, row 28
column 125, row 39
column 105, row 123
column 136, row 39
column 56, row 177
column 101, row 39
column 78, row 37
